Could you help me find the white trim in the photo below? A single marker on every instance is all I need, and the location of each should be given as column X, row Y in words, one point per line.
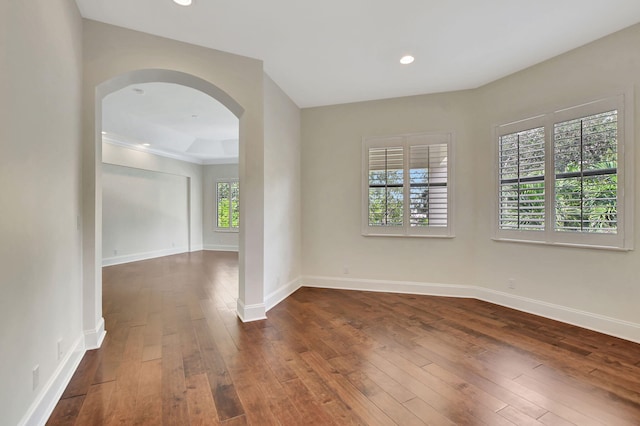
column 198, row 247
column 118, row 260
column 248, row 313
column 220, row 247
column 559, row 244
column 137, row 145
column 281, row 293
column 614, row 327
column 129, row 143
column 404, row 287
column 44, row 404
column 93, row 338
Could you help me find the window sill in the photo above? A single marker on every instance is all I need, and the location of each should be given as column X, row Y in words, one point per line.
column 408, row 236
column 557, row 244
column 224, row 230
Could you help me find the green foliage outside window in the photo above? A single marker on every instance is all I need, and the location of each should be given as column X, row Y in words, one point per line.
column 586, row 180
column 228, row 205
column 386, row 197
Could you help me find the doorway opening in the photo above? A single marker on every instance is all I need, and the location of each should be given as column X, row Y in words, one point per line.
column 250, row 246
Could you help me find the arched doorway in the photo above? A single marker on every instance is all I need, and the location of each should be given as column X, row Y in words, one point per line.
column 250, row 305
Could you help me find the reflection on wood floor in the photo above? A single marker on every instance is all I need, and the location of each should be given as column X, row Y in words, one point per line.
column 175, row 354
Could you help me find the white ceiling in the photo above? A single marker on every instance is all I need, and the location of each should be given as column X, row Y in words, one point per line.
column 337, row 51
column 174, row 120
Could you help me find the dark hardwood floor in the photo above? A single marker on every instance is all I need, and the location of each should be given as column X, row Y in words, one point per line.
column 175, row 354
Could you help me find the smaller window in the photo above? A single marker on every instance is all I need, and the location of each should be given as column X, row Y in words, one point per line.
column 228, row 205
column 407, row 185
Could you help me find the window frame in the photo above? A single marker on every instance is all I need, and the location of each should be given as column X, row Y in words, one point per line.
column 230, row 228
column 405, row 141
column 623, row 238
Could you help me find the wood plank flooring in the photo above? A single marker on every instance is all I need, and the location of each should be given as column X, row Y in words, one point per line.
column 175, row 354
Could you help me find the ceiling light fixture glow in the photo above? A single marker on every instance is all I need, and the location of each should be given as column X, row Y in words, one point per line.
column 183, row 2
column 407, row 59
column 146, row 144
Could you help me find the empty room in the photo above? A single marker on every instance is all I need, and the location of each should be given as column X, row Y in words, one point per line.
column 277, row 213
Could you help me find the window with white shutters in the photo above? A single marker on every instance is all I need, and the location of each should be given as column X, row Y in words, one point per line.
column 227, row 205
column 562, row 177
column 407, row 185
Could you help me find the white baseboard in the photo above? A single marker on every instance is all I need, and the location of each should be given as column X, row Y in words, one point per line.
column 612, row 326
column 44, row 404
column 281, row 293
column 248, row 313
column 93, row 338
column 220, row 247
column 406, row 287
column 198, row 247
column 118, row 260
column 603, row 324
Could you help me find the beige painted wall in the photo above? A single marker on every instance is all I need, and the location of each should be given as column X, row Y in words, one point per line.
column 596, row 282
column 331, row 188
column 40, row 241
column 121, row 156
column 282, row 216
column 174, row 192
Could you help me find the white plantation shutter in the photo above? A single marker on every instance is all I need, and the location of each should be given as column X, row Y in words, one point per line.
column 406, row 185
column 386, row 194
column 428, row 175
column 522, row 174
column 586, row 168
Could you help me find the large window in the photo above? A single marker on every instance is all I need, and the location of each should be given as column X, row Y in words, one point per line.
column 407, row 185
column 561, row 177
column 227, row 205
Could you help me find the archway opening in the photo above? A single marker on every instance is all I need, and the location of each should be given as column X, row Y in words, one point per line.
column 92, row 298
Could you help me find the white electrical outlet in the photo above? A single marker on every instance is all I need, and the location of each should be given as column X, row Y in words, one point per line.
column 511, row 284
column 36, row 377
column 60, row 351
column 345, row 269
column 115, row 252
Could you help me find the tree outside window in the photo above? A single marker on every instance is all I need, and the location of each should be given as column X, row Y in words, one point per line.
column 228, row 205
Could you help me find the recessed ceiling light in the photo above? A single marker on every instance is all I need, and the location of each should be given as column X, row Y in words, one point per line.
column 183, row 2
column 146, row 144
column 407, row 59
column 104, row 133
